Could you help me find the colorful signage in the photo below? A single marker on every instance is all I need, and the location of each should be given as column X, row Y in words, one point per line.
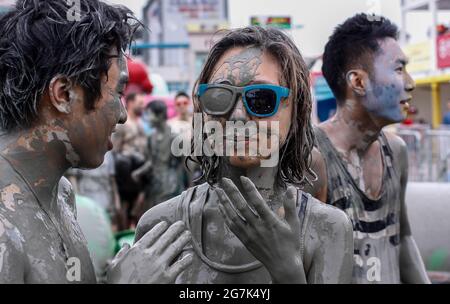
column 419, row 55
column 443, row 51
column 272, row 21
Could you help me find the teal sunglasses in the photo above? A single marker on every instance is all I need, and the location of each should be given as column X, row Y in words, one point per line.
column 260, row 100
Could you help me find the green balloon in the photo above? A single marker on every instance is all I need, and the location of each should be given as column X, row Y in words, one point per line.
column 96, row 226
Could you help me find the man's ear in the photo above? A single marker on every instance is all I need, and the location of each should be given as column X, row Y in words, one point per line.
column 60, row 92
column 356, row 80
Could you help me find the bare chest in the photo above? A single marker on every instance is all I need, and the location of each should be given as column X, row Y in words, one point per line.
column 365, row 169
column 53, row 253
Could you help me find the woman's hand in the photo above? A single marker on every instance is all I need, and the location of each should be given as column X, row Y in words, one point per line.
column 273, row 241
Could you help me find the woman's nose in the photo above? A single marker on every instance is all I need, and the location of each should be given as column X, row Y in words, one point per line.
column 239, row 112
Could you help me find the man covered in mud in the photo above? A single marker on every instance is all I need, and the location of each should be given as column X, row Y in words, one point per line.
column 163, row 173
column 250, row 222
column 366, row 168
column 129, row 142
column 61, row 82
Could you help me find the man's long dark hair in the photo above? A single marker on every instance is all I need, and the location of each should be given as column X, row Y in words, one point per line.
column 295, row 154
column 39, row 40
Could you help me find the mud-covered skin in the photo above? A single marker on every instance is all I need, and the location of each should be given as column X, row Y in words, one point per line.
column 273, row 238
column 151, row 260
column 242, row 66
column 32, row 249
column 374, row 101
column 39, row 232
column 327, row 256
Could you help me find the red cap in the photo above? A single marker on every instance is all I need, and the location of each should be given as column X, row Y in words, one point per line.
column 139, row 80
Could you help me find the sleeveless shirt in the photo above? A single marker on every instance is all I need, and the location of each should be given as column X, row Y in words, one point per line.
column 191, row 212
column 376, row 223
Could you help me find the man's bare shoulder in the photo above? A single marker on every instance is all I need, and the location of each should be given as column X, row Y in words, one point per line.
column 12, row 257
column 396, row 143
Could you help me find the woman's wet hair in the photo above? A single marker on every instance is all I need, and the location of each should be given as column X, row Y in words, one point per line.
column 40, row 39
column 295, row 154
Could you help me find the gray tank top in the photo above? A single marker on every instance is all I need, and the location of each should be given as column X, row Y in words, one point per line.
column 376, row 223
column 191, row 212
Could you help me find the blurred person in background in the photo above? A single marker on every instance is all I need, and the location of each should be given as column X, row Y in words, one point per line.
column 411, row 116
column 130, row 148
column 181, row 125
column 139, row 82
column 446, row 120
column 100, row 185
column 163, row 174
column 182, row 122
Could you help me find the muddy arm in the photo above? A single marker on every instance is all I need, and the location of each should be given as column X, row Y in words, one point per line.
column 331, row 234
column 412, row 268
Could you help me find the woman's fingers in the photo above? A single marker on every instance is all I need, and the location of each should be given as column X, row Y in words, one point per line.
column 290, row 210
column 238, row 201
column 232, row 217
column 257, row 201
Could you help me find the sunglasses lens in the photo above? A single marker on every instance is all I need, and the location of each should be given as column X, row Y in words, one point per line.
column 261, row 101
column 216, row 100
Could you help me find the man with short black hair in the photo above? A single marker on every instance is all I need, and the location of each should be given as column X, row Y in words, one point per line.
column 366, row 168
column 61, row 83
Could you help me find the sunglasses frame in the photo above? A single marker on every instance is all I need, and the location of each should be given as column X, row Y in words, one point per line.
column 280, row 92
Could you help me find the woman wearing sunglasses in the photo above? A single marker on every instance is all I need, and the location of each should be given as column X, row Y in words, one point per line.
column 252, row 223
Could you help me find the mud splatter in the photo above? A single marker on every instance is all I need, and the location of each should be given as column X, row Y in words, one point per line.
column 2, row 253
column 2, row 228
column 7, row 196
